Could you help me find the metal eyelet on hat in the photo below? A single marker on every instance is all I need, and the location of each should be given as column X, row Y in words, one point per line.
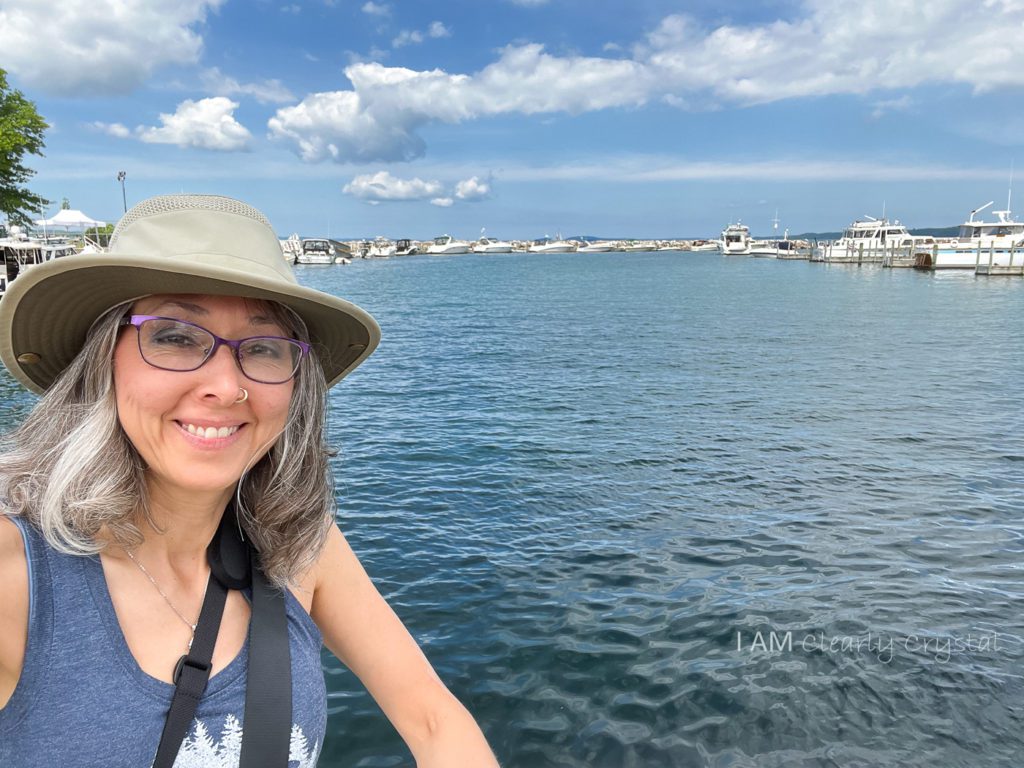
column 28, row 358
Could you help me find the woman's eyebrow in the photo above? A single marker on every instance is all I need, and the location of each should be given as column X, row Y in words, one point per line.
column 194, row 309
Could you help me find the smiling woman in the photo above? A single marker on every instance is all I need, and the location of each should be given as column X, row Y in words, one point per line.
column 183, row 377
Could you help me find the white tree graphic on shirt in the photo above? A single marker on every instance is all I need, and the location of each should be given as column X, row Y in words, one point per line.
column 201, row 750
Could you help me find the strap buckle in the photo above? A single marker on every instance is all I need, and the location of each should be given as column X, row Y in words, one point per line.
column 199, row 666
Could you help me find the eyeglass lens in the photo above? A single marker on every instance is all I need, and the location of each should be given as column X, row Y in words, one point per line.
column 178, row 346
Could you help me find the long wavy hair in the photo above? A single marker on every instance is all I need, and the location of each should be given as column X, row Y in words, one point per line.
column 71, row 470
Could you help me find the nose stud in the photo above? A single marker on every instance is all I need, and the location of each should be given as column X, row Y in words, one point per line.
column 243, row 395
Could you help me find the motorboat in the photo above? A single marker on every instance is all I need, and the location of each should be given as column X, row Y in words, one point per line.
column 316, row 250
column 705, row 245
column 735, row 240
column 549, row 245
column 291, row 248
column 406, row 247
column 979, row 242
column 19, row 253
column 868, row 240
column 381, row 247
column 491, row 245
column 598, row 246
column 638, row 245
column 446, row 244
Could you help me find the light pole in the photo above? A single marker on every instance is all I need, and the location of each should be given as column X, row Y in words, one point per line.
column 121, row 177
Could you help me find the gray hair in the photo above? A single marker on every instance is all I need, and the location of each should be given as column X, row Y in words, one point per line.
column 72, row 471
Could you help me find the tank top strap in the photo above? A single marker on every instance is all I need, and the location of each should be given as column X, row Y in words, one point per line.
column 40, row 626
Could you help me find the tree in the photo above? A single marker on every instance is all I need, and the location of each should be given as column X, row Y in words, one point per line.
column 21, row 133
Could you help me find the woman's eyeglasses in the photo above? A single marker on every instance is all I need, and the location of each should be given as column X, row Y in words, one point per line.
column 175, row 345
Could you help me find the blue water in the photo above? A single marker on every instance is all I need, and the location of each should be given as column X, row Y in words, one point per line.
column 679, row 510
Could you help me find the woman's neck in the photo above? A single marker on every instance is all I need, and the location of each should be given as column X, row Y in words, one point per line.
column 181, row 525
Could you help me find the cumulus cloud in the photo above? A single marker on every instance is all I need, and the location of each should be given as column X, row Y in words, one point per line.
column 411, row 37
column 376, row 9
column 472, row 189
column 267, row 92
column 382, row 186
column 98, row 47
column 679, row 62
column 203, row 124
column 442, row 202
column 117, row 130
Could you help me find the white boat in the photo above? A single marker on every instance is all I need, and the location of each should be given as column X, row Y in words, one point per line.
column 382, row 248
column 638, row 245
column 547, row 245
column 405, row 247
column 598, row 246
column 980, row 243
column 316, row 250
column 735, row 240
column 446, row 244
column 291, row 248
column 19, row 252
column 705, row 245
column 867, row 241
column 491, row 245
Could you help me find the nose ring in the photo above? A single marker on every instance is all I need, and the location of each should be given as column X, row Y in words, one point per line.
column 243, row 395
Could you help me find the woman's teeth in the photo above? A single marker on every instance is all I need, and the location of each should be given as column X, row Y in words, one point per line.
column 210, row 432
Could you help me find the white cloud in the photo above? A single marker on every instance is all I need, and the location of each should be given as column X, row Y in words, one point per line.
column 529, row 3
column 414, row 36
column 204, row 124
column 93, row 47
column 472, row 189
column 383, row 186
column 886, row 106
column 117, row 130
column 376, row 9
column 883, row 47
column 442, row 202
column 267, row 92
column 292, row 8
column 437, row 29
column 407, row 37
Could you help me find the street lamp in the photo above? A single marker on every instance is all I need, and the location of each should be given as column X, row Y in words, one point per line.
column 121, row 177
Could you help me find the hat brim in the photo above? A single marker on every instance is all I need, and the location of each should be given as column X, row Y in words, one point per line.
column 47, row 311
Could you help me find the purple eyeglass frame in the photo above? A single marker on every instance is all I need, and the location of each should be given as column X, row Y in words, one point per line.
column 234, row 344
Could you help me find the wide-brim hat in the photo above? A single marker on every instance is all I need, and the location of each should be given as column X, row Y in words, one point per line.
column 198, row 244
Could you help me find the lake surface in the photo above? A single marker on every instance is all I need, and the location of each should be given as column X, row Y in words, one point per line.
column 676, row 509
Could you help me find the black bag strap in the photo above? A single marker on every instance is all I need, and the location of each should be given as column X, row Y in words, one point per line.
column 266, row 728
column 191, row 676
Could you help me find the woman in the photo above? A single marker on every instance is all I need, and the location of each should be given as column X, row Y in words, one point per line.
column 182, row 374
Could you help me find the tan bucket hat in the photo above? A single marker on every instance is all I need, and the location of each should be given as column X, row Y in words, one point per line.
column 202, row 244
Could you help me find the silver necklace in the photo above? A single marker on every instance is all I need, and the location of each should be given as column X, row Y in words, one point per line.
column 191, row 625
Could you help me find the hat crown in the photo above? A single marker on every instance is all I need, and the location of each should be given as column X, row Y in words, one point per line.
column 216, row 231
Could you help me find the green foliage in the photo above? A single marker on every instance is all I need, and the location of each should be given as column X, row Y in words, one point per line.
column 21, row 133
column 65, row 204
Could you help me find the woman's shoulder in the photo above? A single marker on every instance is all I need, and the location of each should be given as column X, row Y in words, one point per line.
column 14, row 607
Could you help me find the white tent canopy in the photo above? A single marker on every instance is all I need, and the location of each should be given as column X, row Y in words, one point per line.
column 68, row 219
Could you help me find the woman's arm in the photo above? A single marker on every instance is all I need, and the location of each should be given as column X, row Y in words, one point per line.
column 360, row 628
column 13, row 607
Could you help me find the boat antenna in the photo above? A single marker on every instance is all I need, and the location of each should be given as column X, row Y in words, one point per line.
column 1009, row 192
column 775, row 223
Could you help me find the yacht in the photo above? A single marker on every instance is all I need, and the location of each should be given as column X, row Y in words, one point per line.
column 735, row 240
column 381, row 247
column 977, row 242
column 868, row 240
column 446, row 244
column 315, row 250
column 19, row 252
column 547, row 245
column 491, row 245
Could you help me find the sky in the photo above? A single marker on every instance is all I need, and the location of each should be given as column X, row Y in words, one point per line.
column 526, row 118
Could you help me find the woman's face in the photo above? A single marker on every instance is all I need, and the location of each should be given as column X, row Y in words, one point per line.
column 168, row 414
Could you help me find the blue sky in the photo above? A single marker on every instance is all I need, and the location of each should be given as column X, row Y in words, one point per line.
column 528, row 117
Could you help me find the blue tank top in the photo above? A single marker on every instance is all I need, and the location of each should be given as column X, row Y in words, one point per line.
column 83, row 700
